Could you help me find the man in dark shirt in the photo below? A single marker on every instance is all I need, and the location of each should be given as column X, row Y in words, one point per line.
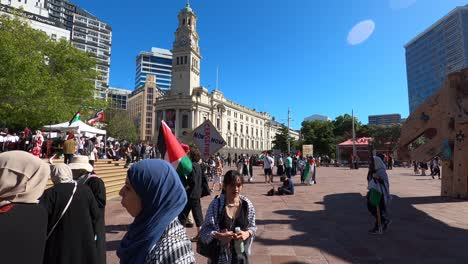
column 287, row 188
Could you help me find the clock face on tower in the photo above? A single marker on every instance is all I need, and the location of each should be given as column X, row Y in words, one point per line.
column 183, row 42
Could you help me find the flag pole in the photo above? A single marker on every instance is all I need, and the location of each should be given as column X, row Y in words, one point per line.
column 354, row 135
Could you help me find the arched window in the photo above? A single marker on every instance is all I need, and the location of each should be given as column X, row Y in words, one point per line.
column 189, row 21
column 183, row 21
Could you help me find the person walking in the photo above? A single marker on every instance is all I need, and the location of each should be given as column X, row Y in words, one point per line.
column 72, row 213
column 280, row 165
column 377, row 178
column 268, row 165
column 154, row 195
column 194, row 190
column 23, row 222
column 288, row 165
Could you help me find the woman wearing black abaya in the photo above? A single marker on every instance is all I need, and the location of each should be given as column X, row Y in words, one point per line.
column 84, row 174
column 72, row 238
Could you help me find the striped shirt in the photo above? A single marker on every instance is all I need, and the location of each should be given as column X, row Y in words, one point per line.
column 174, row 247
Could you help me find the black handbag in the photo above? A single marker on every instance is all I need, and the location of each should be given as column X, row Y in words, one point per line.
column 210, row 250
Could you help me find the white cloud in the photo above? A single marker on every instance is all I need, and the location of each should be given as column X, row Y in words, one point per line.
column 401, row 4
column 361, row 32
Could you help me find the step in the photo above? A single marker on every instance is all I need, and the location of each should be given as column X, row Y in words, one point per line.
column 109, row 169
column 110, row 181
column 112, row 173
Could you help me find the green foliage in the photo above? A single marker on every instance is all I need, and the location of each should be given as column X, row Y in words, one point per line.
column 343, row 127
column 320, row 134
column 385, row 137
column 281, row 140
column 42, row 81
column 120, row 126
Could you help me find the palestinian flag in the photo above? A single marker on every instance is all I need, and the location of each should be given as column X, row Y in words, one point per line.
column 308, row 170
column 172, row 151
column 298, row 153
column 75, row 118
column 98, row 117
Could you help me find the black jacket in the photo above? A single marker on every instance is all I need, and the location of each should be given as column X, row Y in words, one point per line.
column 194, row 182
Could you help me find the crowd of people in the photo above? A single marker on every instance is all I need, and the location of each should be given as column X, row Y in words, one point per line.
column 421, row 167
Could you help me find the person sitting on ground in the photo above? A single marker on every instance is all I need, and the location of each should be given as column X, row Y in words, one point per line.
column 287, row 188
column 23, row 222
column 155, row 196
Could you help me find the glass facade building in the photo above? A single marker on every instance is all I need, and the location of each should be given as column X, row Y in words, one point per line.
column 118, row 98
column 432, row 55
column 158, row 62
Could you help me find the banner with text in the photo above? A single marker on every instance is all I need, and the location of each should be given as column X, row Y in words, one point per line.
column 207, row 139
column 307, row 150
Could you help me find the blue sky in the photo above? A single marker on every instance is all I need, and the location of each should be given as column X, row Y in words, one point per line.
column 278, row 54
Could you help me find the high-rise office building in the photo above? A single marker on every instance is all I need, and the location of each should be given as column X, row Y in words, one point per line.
column 118, row 98
column 158, row 62
column 432, row 55
column 38, row 15
column 384, row 119
column 62, row 19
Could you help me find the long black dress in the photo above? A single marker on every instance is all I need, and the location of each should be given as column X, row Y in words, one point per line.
column 73, row 240
column 99, row 191
column 22, row 233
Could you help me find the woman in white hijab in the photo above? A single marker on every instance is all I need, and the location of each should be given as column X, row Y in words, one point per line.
column 23, row 222
column 377, row 179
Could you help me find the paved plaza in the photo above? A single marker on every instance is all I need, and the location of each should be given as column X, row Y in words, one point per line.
column 328, row 222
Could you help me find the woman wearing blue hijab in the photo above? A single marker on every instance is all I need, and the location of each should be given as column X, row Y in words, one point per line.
column 154, row 195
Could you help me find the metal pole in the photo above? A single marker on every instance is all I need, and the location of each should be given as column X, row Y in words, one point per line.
column 289, row 119
column 354, row 134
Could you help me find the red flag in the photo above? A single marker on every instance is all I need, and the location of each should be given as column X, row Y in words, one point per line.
column 298, row 153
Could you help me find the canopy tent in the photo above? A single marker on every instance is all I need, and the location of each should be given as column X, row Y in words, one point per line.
column 78, row 126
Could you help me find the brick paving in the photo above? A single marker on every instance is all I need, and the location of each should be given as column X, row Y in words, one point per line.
column 328, row 222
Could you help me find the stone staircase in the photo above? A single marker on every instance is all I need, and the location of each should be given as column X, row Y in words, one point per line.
column 111, row 172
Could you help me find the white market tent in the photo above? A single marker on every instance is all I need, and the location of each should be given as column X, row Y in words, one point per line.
column 77, row 126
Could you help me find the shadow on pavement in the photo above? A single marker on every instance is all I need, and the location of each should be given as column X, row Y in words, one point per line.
column 341, row 230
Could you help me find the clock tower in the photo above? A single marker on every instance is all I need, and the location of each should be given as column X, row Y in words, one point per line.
column 186, row 54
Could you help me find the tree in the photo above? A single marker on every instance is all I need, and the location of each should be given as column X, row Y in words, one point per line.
column 343, row 127
column 120, row 126
column 281, row 139
column 385, row 137
column 320, row 134
column 41, row 80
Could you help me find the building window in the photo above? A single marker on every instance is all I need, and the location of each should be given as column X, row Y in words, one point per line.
column 256, row 131
column 247, row 130
column 261, row 133
column 242, row 129
column 229, row 112
column 229, row 125
column 148, row 126
column 184, row 121
column 235, row 142
column 242, row 117
column 229, row 142
column 247, row 143
column 148, row 120
column 177, row 60
column 253, row 144
column 235, row 127
column 149, row 108
column 185, row 60
column 257, row 144
column 242, row 143
column 218, row 124
column 251, row 130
